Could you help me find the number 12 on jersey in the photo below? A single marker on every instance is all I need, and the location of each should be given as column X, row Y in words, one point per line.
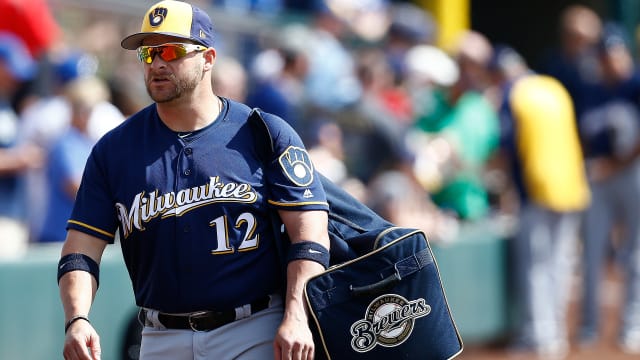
column 246, row 222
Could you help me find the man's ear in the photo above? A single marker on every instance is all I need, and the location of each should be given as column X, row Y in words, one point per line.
column 209, row 58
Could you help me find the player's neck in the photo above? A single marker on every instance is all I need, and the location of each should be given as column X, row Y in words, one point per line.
column 191, row 115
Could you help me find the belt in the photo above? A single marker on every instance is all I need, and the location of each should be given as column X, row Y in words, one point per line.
column 208, row 320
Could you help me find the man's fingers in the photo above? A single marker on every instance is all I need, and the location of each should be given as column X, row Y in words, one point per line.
column 81, row 350
column 95, row 347
column 95, row 352
column 76, row 353
column 280, row 353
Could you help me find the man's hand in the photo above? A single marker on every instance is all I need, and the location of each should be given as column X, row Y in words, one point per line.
column 82, row 342
column 294, row 340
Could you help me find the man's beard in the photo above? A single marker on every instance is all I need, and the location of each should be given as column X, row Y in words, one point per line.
column 182, row 86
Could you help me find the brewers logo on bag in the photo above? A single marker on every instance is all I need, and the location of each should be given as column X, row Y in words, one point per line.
column 388, row 322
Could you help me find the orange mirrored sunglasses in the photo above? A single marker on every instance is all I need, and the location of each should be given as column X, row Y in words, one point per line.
column 167, row 52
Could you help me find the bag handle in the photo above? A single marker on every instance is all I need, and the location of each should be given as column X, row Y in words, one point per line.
column 377, row 287
column 402, row 269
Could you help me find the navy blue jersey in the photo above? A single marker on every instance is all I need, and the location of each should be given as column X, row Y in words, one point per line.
column 193, row 210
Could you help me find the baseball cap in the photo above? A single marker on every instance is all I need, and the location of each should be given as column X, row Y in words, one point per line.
column 15, row 55
column 73, row 65
column 173, row 18
column 427, row 62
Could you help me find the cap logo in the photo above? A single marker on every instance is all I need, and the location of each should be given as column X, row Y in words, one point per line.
column 157, row 16
column 202, row 34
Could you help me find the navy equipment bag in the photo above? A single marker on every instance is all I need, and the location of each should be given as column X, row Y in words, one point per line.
column 386, row 304
column 382, row 297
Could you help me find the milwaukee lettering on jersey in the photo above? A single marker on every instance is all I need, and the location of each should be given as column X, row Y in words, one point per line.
column 144, row 208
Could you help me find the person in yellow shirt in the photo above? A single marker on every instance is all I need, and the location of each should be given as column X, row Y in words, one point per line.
column 541, row 141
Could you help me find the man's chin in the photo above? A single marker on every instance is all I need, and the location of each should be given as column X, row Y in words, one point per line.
column 161, row 98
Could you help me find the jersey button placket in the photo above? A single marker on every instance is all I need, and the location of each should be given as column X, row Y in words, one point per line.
column 188, row 152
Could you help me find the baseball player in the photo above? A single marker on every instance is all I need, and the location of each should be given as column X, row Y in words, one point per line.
column 185, row 187
column 541, row 143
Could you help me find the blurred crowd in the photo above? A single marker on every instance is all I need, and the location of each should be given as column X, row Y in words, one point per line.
column 427, row 136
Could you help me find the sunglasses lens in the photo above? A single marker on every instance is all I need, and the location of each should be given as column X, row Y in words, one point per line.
column 166, row 52
column 145, row 54
column 172, row 52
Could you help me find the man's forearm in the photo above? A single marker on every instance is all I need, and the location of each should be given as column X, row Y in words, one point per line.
column 77, row 291
column 78, row 287
column 298, row 272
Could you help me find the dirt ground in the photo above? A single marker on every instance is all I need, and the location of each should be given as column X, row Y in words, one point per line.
column 605, row 349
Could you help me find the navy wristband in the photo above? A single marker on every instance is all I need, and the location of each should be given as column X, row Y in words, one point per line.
column 309, row 250
column 77, row 261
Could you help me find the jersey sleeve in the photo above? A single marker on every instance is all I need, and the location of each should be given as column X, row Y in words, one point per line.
column 93, row 211
column 293, row 181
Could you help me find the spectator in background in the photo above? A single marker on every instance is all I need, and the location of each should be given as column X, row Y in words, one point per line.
column 272, row 71
column 327, row 152
column 47, row 118
column 574, row 62
column 124, row 96
column 289, row 80
column 44, row 121
column 382, row 91
column 68, row 154
column 368, row 20
column 16, row 67
column 331, row 83
column 430, row 72
column 374, row 127
column 610, row 129
column 410, row 26
column 33, row 22
column 473, row 52
column 462, row 127
column 396, row 196
column 540, row 140
column 230, row 79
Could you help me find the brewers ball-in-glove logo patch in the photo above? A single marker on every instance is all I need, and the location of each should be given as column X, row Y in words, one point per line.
column 388, row 322
column 297, row 165
column 157, row 16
